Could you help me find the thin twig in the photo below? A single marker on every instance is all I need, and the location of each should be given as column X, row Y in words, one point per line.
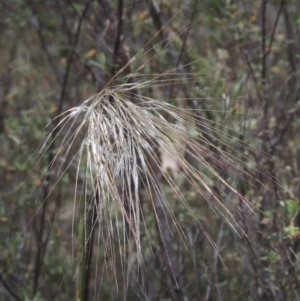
column 253, row 76
column 10, row 290
column 118, row 37
column 263, row 42
column 274, row 29
column 38, row 25
column 42, row 242
column 186, row 34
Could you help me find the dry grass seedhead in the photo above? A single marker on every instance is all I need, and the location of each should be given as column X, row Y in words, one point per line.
column 126, row 141
column 123, row 135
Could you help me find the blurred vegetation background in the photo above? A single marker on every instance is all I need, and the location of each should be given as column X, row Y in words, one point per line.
column 240, row 60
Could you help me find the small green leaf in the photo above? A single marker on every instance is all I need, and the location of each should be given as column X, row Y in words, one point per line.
column 292, row 207
column 291, row 232
column 101, row 58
